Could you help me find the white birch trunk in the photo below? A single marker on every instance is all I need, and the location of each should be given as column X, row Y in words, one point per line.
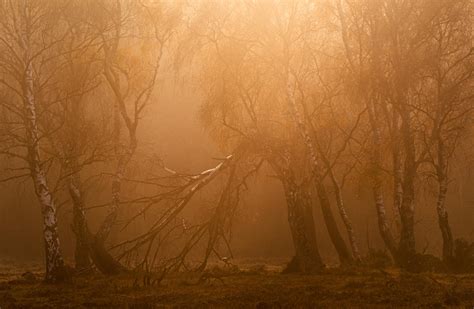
column 336, row 238
column 377, row 184
column 345, row 218
column 54, row 260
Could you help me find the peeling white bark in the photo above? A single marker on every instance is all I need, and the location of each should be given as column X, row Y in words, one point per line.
column 54, row 260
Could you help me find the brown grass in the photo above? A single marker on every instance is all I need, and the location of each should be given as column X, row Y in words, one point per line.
column 255, row 287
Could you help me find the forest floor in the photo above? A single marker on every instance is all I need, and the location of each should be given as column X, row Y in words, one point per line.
column 246, row 286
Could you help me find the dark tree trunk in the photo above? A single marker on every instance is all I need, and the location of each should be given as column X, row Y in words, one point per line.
column 102, row 259
column 99, row 255
column 407, row 251
column 397, row 170
column 331, row 225
column 87, row 246
column 300, row 217
column 448, row 243
column 402, row 74
column 442, row 173
column 81, row 251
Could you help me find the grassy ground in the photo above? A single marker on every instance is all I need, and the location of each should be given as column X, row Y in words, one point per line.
column 258, row 286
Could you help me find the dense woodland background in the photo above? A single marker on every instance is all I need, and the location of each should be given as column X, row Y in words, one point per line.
column 161, row 135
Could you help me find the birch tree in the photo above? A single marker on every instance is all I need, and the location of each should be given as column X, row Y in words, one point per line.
column 393, row 61
column 266, row 47
column 449, row 106
column 131, row 77
column 32, row 34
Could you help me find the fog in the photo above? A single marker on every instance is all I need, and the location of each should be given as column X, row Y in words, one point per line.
column 153, row 141
column 172, row 129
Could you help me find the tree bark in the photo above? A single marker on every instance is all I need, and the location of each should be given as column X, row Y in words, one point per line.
column 448, row 243
column 106, row 226
column 376, row 162
column 88, row 246
column 331, row 225
column 54, row 259
column 300, row 218
column 339, row 200
column 384, row 228
column 102, row 259
column 407, row 251
column 345, row 218
column 397, row 178
column 81, row 251
column 123, row 157
column 402, row 75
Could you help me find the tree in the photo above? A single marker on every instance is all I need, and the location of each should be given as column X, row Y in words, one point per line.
column 253, row 99
column 449, row 105
column 132, row 77
column 394, row 65
column 32, row 34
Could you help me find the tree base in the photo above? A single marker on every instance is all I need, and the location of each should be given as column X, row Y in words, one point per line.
column 105, row 262
column 296, row 266
column 60, row 275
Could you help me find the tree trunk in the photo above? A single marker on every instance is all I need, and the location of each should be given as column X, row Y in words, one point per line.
column 81, row 252
column 87, row 245
column 340, row 202
column 102, row 259
column 407, row 251
column 402, row 75
column 122, row 163
column 109, row 221
column 300, row 217
column 397, row 181
column 448, row 245
column 54, row 259
column 345, row 218
column 397, row 172
column 331, row 225
column 442, row 168
column 384, row 228
column 333, row 230
column 376, row 163
column 89, row 248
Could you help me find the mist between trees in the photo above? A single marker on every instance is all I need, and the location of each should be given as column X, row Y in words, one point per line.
column 158, row 136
